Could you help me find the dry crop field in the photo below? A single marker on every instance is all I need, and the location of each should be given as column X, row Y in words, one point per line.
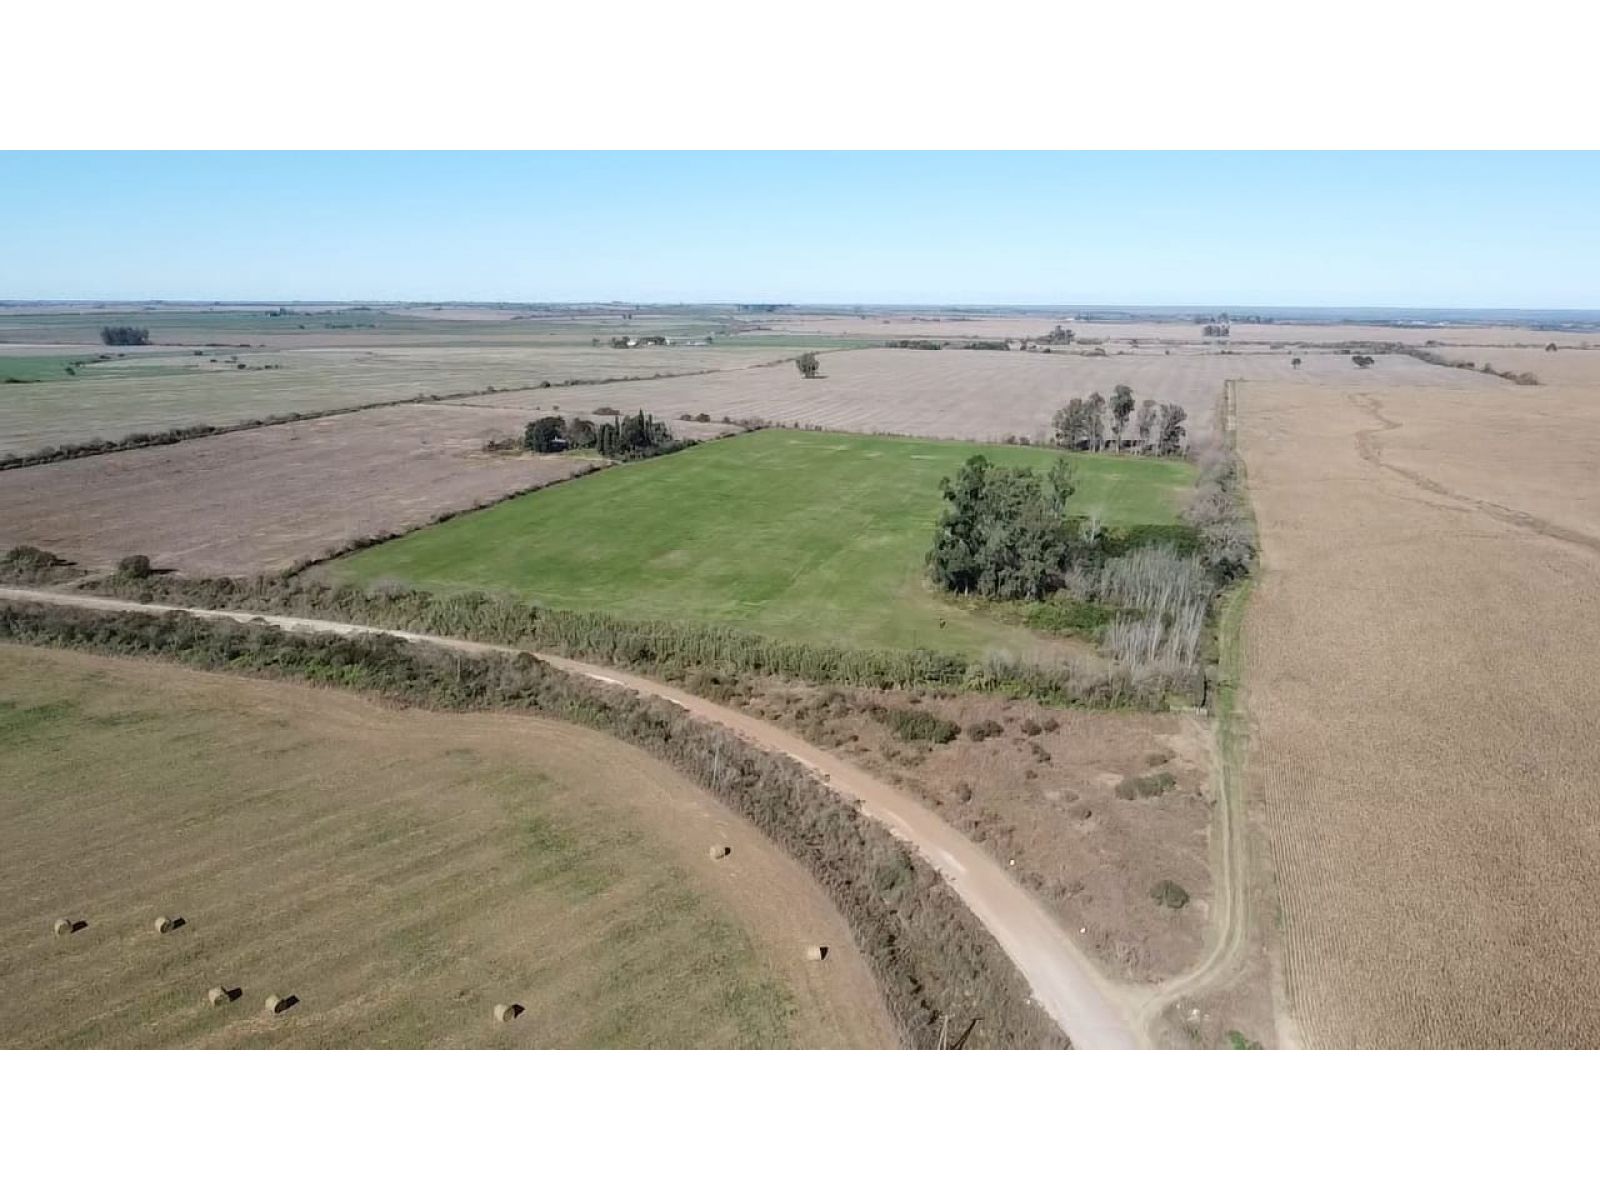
column 398, row 872
column 972, row 395
column 1420, row 686
column 155, row 390
column 261, row 499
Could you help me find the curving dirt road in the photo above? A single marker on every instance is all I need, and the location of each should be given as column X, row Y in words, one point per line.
column 1094, row 1013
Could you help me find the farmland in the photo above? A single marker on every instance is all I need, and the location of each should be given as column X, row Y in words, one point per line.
column 263, row 498
column 807, row 536
column 399, row 872
column 973, row 395
column 1421, row 688
column 156, row 390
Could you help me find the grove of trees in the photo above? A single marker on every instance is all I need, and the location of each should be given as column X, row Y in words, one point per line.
column 808, row 365
column 1004, row 533
column 124, row 335
column 1083, row 423
column 638, row 435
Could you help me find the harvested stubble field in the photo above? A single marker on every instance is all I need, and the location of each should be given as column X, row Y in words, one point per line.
column 804, row 536
column 975, row 395
column 1421, row 691
column 262, row 499
column 155, row 390
column 400, row 872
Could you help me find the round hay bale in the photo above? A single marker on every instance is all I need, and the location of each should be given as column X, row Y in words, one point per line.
column 163, row 924
column 218, row 996
column 275, row 1004
column 721, row 851
column 507, row 1012
column 62, row 927
column 816, row 953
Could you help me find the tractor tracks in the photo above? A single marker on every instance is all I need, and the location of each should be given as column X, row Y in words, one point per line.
column 1368, row 448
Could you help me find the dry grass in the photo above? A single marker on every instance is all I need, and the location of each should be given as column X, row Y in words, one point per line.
column 1053, row 796
column 1421, row 687
column 263, row 498
column 399, row 872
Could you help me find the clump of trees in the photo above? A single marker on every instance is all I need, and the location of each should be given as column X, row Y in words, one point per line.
column 1004, row 531
column 124, row 335
column 808, row 365
column 914, row 344
column 1215, row 331
column 1096, row 423
column 1362, row 360
column 638, row 435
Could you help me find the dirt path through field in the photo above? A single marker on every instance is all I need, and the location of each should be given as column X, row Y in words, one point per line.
column 1094, row 1013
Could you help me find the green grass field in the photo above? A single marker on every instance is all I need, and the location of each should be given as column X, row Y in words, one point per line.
column 36, row 368
column 802, row 536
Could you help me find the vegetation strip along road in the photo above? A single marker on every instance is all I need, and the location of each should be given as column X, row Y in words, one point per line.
column 1094, row 1014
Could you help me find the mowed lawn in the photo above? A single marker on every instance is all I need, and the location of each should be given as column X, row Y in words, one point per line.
column 400, row 872
column 804, row 536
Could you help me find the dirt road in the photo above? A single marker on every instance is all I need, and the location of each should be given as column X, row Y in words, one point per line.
column 1093, row 1013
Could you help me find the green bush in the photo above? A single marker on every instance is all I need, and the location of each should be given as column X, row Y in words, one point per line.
column 912, row 725
column 983, row 730
column 1169, row 894
column 134, row 566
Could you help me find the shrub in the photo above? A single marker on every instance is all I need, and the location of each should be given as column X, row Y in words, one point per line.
column 1146, row 785
column 1238, row 1041
column 29, row 564
column 1032, row 728
column 914, row 725
column 1169, row 894
column 983, row 730
column 134, row 566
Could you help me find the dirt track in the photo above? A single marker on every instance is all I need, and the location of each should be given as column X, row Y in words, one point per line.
column 1094, row 1014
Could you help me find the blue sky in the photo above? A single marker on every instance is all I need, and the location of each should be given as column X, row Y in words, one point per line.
column 1404, row 229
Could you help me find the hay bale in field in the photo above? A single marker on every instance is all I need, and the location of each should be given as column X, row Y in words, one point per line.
column 816, row 953
column 63, row 927
column 163, row 924
column 276, row 1004
column 721, row 851
column 218, row 996
column 507, row 1012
